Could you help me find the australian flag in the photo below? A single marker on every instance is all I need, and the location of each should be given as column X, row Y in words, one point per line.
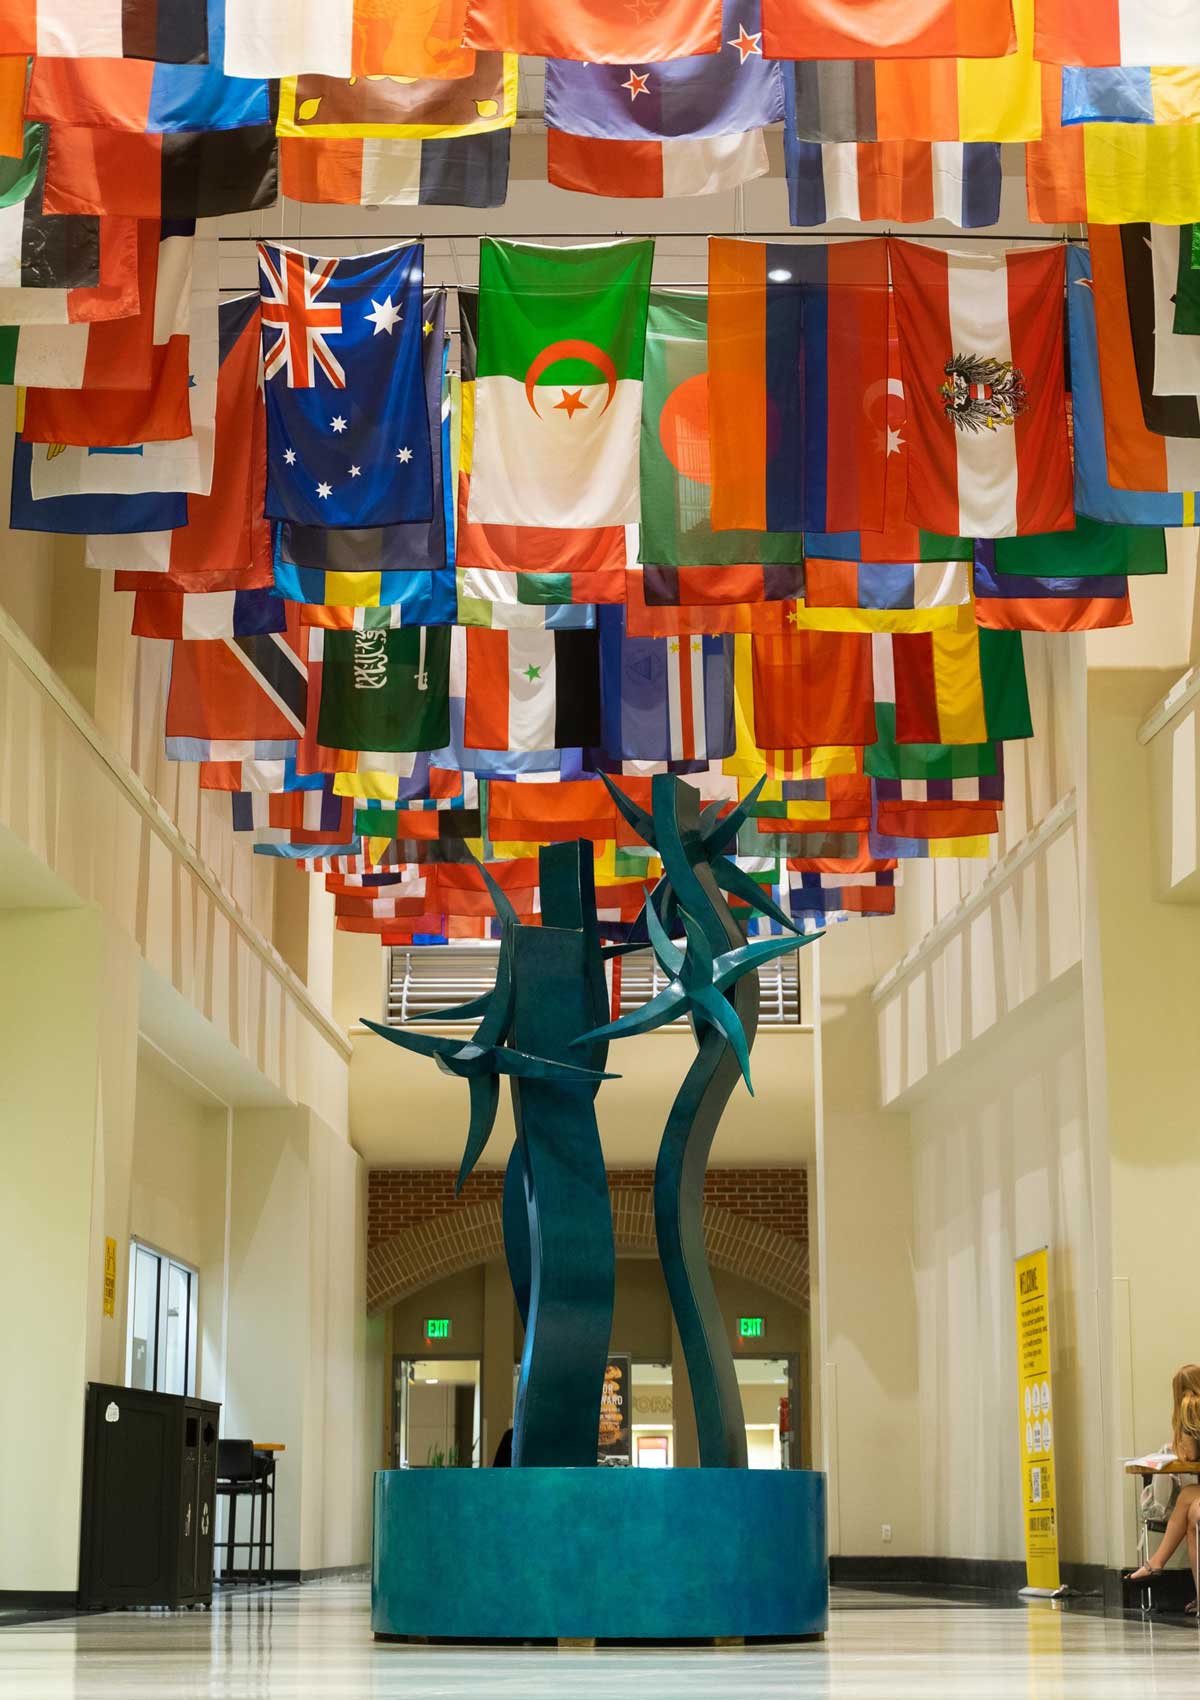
column 347, row 427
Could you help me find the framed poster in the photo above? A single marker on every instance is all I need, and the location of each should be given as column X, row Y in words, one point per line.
column 616, row 1414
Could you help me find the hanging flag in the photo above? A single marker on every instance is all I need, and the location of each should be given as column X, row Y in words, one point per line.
column 514, row 548
column 676, row 463
column 850, row 29
column 81, row 516
column 870, row 596
column 418, row 598
column 172, row 30
column 461, row 171
column 578, row 29
column 37, row 251
column 1118, row 32
column 12, row 105
column 659, row 620
column 1095, row 495
column 424, row 601
column 532, row 690
column 182, row 174
column 1137, row 458
column 722, row 93
column 140, row 95
column 553, row 447
column 1090, row 550
column 156, row 353
column 1131, row 95
column 708, row 165
column 221, row 541
column 1111, row 173
column 901, row 182
column 503, row 600
column 664, row 699
column 333, row 108
column 1187, row 285
column 236, row 697
column 1174, row 409
column 813, row 688
column 921, row 100
column 384, row 690
column 798, row 355
column 348, row 439
column 960, row 687
column 981, row 348
column 716, row 587
column 342, row 38
column 219, row 614
column 1175, row 356
column 354, row 551
column 1007, row 602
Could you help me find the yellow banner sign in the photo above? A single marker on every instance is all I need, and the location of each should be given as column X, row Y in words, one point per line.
column 110, row 1277
column 1036, row 1422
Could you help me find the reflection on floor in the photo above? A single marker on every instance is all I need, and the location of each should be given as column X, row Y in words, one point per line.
column 301, row 1643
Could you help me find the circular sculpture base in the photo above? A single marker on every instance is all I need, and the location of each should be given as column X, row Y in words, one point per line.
column 603, row 1554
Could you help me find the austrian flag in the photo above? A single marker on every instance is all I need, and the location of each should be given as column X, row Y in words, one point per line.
column 348, row 431
column 981, row 350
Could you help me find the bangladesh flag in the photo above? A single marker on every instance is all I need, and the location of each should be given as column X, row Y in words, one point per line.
column 676, row 461
column 558, row 394
column 385, row 690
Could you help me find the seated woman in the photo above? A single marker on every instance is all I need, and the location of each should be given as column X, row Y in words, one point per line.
column 1184, row 1521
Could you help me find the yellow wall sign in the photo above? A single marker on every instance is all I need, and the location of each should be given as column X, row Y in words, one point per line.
column 110, row 1277
column 1036, row 1420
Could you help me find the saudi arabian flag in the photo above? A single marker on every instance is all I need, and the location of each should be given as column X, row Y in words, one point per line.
column 384, row 690
column 676, row 528
column 558, row 394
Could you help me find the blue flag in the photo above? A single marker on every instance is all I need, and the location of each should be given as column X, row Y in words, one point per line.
column 710, row 94
column 1095, row 496
column 664, row 699
column 348, row 441
column 89, row 515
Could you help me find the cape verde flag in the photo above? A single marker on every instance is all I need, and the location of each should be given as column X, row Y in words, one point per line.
column 348, row 440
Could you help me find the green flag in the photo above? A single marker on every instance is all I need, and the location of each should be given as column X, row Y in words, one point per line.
column 558, row 389
column 1092, row 550
column 886, row 759
column 1187, row 284
column 676, row 529
column 386, row 690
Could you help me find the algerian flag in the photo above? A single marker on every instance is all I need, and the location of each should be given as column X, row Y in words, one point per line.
column 558, row 395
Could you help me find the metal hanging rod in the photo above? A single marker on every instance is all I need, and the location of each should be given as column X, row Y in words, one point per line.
column 666, row 235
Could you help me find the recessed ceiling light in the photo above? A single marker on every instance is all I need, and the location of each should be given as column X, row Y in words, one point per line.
column 779, row 275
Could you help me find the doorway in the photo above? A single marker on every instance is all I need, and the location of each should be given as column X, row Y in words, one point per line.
column 436, row 1413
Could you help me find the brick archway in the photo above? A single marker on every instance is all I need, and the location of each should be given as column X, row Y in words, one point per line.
column 456, row 1240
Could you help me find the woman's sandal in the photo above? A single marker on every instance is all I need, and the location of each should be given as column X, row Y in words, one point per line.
column 1145, row 1576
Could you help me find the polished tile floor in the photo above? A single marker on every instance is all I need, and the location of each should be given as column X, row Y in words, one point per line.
column 315, row 1644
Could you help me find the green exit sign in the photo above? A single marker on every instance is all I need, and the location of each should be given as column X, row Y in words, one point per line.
column 437, row 1328
column 752, row 1327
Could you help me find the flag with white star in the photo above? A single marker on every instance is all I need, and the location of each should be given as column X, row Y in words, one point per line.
column 709, row 94
column 665, row 699
column 348, row 439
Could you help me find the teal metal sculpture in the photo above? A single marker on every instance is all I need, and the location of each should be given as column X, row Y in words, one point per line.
column 550, row 989
column 715, row 983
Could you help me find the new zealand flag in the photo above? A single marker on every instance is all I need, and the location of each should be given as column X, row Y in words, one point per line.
column 347, row 428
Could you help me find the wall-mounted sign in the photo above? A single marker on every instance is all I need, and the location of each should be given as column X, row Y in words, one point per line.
column 110, row 1277
column 438, row 1328
column 616, row 1414
column 752, row 1328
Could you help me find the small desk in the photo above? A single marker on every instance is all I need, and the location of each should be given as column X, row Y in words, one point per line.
column 278, row 1446
column 1177, row 1467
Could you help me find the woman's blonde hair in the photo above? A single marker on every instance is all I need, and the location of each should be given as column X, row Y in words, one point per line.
column 1185, row 1395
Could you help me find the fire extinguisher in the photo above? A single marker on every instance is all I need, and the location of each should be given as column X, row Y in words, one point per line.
column 785, row 1431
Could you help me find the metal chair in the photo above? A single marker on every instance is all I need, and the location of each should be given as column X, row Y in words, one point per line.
column 243, row 1473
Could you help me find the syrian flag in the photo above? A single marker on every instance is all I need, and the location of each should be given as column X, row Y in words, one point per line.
column 981, row 349
column 532, row 690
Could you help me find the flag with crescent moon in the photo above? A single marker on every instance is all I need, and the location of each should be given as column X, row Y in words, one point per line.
column 558, row 391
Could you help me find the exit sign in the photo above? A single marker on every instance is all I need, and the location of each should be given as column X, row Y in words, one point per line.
column 752, row 1327
column 437, row 1328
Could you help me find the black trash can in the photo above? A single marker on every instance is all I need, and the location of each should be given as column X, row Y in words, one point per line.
column 149, row 1498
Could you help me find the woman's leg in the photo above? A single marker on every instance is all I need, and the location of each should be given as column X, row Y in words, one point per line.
column 1181, row 1526
column 1193, row 1535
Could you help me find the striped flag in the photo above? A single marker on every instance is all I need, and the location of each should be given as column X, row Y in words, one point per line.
column 665, row 699
column 532, row 690
column 390, row 171
column 513, row 601
column 963, row 687
column 716, row 587
column 981, row 348
column 903, row 182
column 419, row 598
column 1009, row 602
column 655, row 170
column 207, row 616
column 172, row 30
column 869, row 596
column 1142, row 94
column 1118, row 32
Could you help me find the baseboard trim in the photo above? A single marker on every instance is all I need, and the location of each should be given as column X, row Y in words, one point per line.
column 955, row 1576
column 337, row 1573
column 37, row 1599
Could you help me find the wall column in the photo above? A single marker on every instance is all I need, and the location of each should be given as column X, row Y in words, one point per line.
column 497, row 1368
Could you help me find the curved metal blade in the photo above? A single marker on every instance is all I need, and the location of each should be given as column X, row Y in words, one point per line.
column 485, row 1101
column 738, row 883
column 639, row 820
column 725, row 831
column 732, row 964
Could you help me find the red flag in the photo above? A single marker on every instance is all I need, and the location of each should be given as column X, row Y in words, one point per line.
column 603, row 34
column 981, row 349
column 888, row 29
column 813, row 688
